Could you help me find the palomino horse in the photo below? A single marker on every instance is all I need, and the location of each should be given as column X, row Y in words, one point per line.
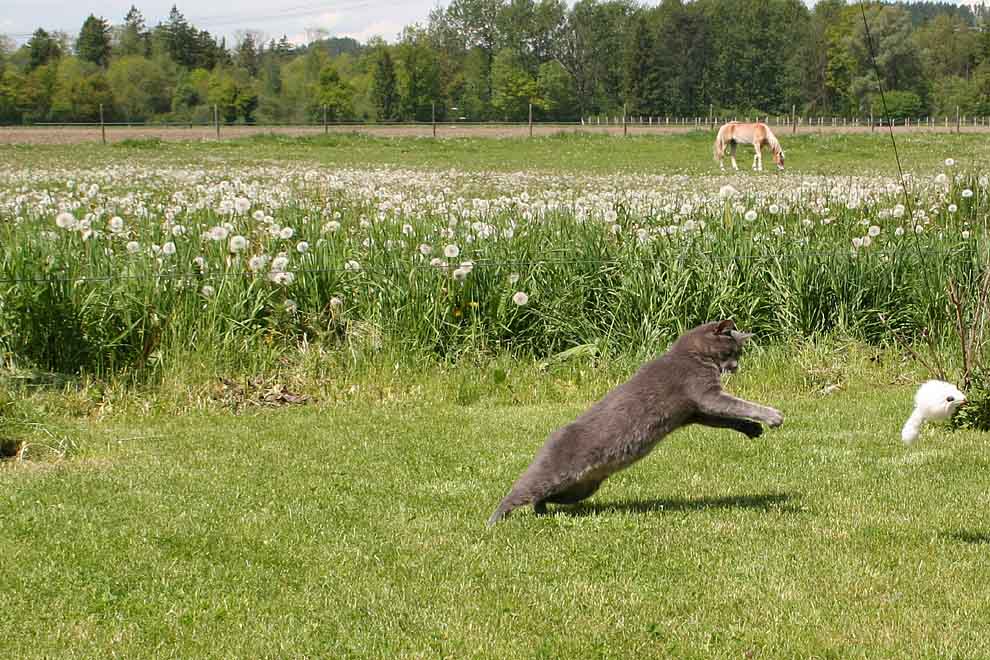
column 756, row 134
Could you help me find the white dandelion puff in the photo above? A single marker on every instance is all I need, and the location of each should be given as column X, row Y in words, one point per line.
column 302, row 247
column 65, row 220
column 451, row 251
column 237, row 244
column 520, row 298
column 750, row 215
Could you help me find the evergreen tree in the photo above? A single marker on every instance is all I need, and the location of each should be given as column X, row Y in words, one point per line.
column 133, row 37
column 93, row 44
column 247, row 55
column 178, row 38
column 42, row 49
column 384, row 88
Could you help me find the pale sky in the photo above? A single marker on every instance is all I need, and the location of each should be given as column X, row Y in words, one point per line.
column 360, row 19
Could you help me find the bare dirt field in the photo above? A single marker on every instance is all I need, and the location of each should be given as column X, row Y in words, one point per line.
column 117, row 133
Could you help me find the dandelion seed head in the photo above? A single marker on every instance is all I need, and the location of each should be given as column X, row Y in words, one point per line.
column 302, row 247
column 257, row 262
column 451, row 251
column 967, row 193
column 208, row 291
column 133, row 247
column 65, row 220
column 873, row 231
column 750, row 215
column 237, row 244
column 520, row 298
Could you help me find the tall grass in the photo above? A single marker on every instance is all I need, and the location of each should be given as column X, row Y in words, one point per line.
column 619, row 269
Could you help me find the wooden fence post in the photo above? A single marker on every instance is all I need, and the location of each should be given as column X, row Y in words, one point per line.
column 103, row 126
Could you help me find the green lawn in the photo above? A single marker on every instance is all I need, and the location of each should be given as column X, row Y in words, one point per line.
column 688, row 153
column 357, row 530
column 151, row 519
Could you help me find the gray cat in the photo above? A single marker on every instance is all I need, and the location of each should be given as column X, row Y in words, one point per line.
column 681, row 387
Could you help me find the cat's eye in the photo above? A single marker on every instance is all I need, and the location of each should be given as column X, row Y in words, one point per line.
column 950, row 398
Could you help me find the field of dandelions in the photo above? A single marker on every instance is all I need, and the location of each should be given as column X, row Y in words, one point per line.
column 113, row 269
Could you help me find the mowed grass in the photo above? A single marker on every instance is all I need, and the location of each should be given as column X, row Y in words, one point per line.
column 685, row 153
column 357, row 530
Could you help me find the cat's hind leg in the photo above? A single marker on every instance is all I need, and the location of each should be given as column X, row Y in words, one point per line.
column 574, row 494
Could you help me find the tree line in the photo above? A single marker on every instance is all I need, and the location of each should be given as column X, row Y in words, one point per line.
column 482, row 60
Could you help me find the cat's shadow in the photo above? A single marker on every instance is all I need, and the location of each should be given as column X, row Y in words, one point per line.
column 779, row 502
column 967, row 536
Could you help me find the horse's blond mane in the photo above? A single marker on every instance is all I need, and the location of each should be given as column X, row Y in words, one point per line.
column 772, row 141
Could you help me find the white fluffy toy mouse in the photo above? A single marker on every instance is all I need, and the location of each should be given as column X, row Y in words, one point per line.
column 935, row 401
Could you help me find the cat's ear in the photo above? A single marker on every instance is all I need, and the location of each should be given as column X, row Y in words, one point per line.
column 725, row 327
column 741, row 337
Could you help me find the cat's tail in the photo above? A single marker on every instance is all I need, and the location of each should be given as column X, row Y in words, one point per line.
column 513, row 500
column 912, row 427
column 501, row 512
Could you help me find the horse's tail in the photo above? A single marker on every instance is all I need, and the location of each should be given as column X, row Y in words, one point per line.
column 718, row 149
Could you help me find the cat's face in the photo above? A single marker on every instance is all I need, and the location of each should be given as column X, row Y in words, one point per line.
column 719, row 342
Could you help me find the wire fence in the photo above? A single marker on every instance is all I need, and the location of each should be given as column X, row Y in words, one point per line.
column 612, row 123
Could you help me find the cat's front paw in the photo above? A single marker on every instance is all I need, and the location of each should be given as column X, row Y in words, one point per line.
column 774, row 418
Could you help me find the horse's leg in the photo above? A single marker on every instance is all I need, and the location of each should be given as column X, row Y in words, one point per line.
column 732, row 154
column 758, row 159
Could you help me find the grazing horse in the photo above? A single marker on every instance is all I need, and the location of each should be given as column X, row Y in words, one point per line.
column 756, row 134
